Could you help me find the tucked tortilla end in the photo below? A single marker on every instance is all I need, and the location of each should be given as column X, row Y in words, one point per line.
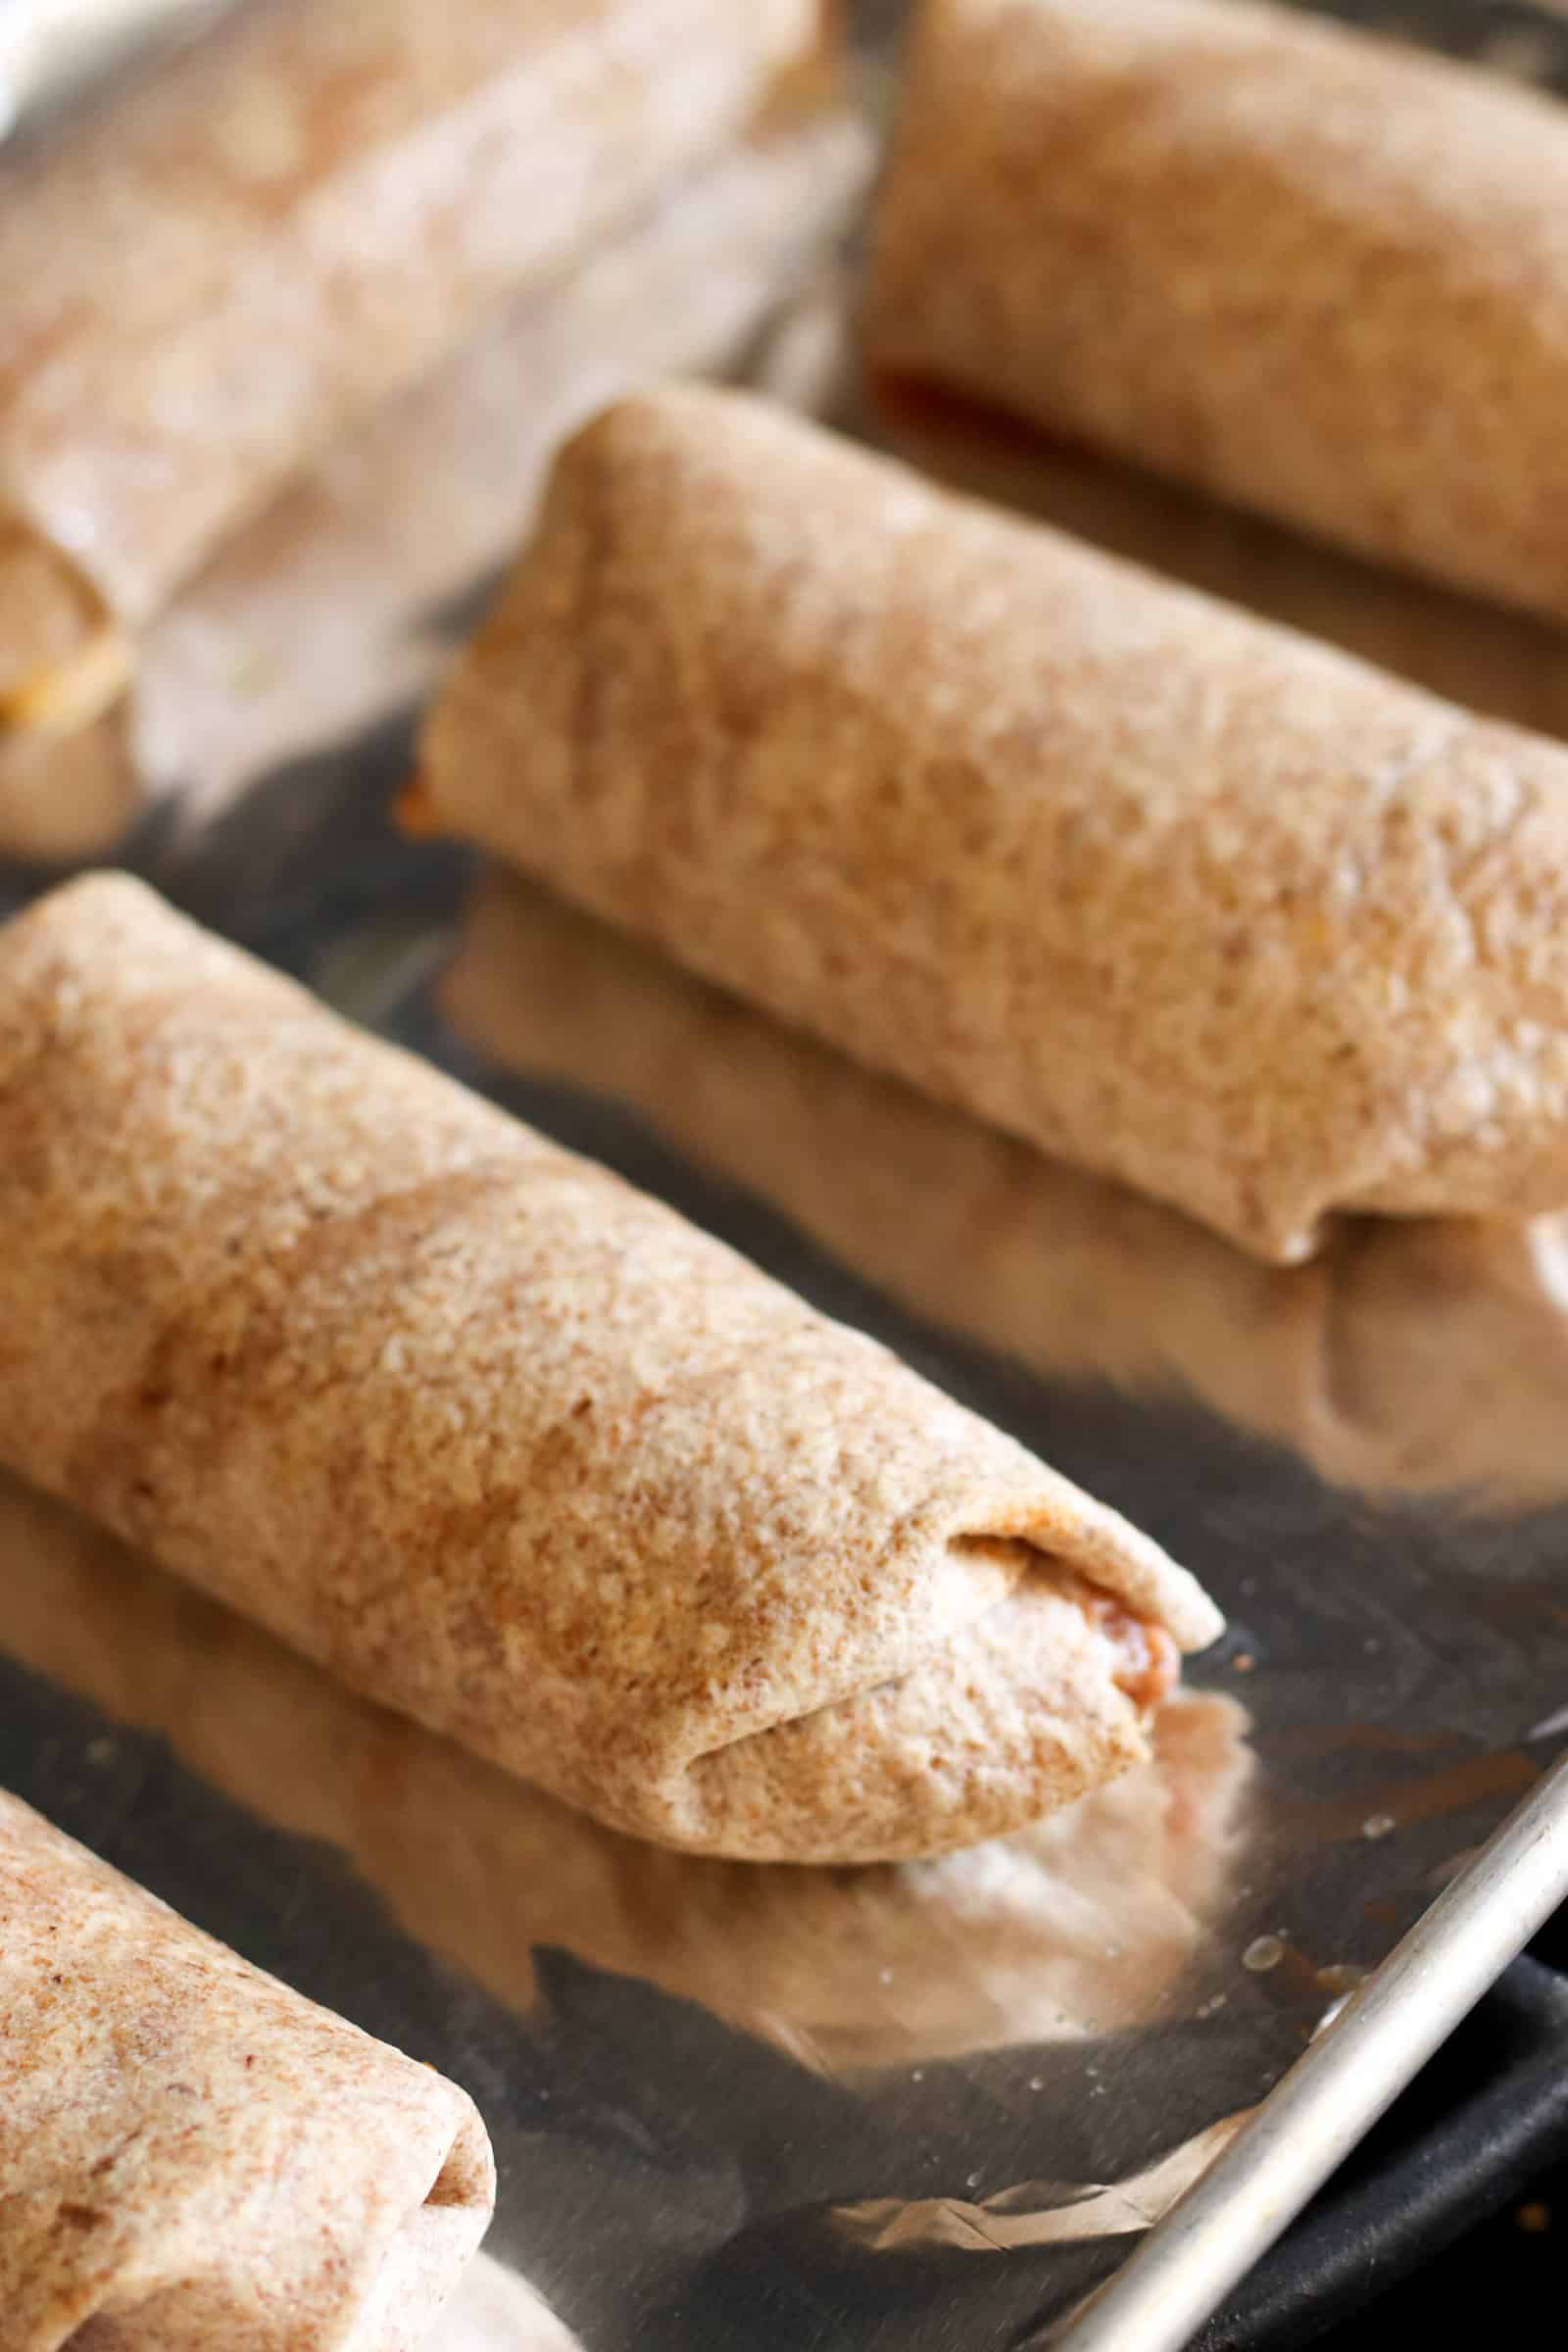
column 421, row 2265
column 402, row 2283
column 1044, row 1698
column 1083, row 1538
column 150, row 2078
column 1041, row 1699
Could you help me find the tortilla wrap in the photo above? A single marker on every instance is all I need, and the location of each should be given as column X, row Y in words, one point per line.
column 512, row 1447
column 150, row 2080
column 341, row 603
column 1177, row 895
column 1307, row 270
column 233, row 257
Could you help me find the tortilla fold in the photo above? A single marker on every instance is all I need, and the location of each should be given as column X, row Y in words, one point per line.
column 1310, row 271
column 512, row 1447
column 1177, row 895
column 231, row 260
column 150, row 2082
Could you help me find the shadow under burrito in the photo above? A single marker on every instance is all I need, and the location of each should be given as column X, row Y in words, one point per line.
column 1371, row 1361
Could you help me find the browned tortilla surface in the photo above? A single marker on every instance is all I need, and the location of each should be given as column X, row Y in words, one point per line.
column 337, row 604
column 193, row 2158
column 1318, row 274
column 1183, row 898
column 514, row 1448
column 225, row 264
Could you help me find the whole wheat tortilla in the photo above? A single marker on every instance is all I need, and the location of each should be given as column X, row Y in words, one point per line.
column 1175, row 895
column 227, row 262
column 192, row 2155
column 1315, row 272
column 514, row 1448
column 339, row 604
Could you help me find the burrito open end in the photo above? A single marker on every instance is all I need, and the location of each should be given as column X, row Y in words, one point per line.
column 1177, row 895
column 226, row 264
column 516, row 1449
column 1316, row 272
column 333, row 608
column 150, row 2080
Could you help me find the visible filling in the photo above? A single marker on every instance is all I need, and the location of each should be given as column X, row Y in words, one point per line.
column 71, row 693
column 1147, row 1658
column 1035, row 1702
column 1145, row 1664
column 64, row 661
column 1149, row 1663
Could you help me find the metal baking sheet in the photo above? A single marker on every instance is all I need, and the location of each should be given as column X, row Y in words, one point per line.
column 921, row 2107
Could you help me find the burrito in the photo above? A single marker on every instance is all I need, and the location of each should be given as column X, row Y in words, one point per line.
column 1174, row 895
column 1082, row 1923
column 512, row 1447
column 190, row 2153
column 1307, row 270
column 341, row 602
column 1412, row 1355
column 227, row 262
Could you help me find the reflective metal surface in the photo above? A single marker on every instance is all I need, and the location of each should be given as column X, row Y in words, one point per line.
column 1374, row 2044
column 918, row 2107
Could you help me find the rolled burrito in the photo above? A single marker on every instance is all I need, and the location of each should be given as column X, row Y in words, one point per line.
column 1177, row 895
column 1319, row 275
column 337, row 604
column 512, row 1447
column 193, row 2155
column 223, row 267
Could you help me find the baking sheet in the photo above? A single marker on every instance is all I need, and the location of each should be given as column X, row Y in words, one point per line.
column 920, row 2107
